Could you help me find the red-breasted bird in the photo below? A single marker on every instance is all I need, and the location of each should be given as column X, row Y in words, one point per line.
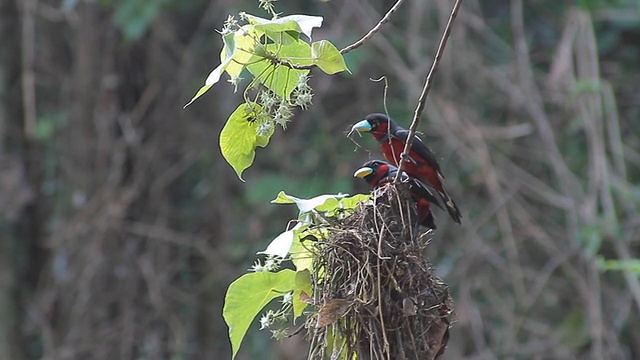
column 421, row 163
column 378, row 173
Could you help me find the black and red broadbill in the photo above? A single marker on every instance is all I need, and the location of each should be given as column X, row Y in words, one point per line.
column 378, row 173
column 421, row 163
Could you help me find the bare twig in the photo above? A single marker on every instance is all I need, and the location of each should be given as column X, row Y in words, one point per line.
column 348, row 48
column 427, row 85
column 373, row 30
column 386, row 91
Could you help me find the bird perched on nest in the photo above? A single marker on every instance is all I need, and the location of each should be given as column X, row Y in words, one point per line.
column 421, row 163
column 378, row 173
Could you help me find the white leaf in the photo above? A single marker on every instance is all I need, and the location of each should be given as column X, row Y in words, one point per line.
column 305, row 205
column 306, row 22
column 214, row 76
column 281, row 245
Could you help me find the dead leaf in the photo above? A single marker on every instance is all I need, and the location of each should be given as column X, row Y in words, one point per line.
column 331, row 311
column 306, row 298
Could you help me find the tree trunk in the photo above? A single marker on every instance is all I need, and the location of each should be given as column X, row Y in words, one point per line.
column 21, row 254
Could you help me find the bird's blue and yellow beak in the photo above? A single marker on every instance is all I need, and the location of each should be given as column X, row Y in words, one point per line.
column 362, row 126
column 363, row 171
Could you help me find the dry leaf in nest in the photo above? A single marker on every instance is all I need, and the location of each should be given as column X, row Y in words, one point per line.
column 380, row 298
column 331, row 311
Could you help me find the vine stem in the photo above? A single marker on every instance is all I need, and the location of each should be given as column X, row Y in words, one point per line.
column 427, row 86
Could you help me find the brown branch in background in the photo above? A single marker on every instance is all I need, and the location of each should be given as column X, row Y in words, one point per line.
column 373, row 30
column 427, row 86
column 28, row 76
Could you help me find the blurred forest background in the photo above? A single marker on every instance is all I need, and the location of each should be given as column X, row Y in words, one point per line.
column 121, row 225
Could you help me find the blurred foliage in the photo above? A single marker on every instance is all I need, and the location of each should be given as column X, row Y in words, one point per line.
column 135, row 17
column 138, row 226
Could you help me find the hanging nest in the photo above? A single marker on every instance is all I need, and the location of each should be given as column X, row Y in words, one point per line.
column 375, row 292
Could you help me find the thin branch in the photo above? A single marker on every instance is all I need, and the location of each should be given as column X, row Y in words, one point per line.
column 427, row 86
column 345, row 50
column 373, row 30
column 386, row 90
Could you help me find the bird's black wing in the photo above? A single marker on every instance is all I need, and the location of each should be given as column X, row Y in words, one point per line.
column 421, row 190
column 419, row 147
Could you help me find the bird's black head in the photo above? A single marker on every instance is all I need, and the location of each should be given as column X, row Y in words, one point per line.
column 377, row 124
column 377, row 120
column 375, row 170
column 380, row 167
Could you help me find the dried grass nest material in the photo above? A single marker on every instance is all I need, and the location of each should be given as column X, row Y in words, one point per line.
column 376, row 294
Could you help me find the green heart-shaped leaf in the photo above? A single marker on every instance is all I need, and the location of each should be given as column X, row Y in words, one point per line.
column 248, row 295
column 239, row 138
column 327, row 57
